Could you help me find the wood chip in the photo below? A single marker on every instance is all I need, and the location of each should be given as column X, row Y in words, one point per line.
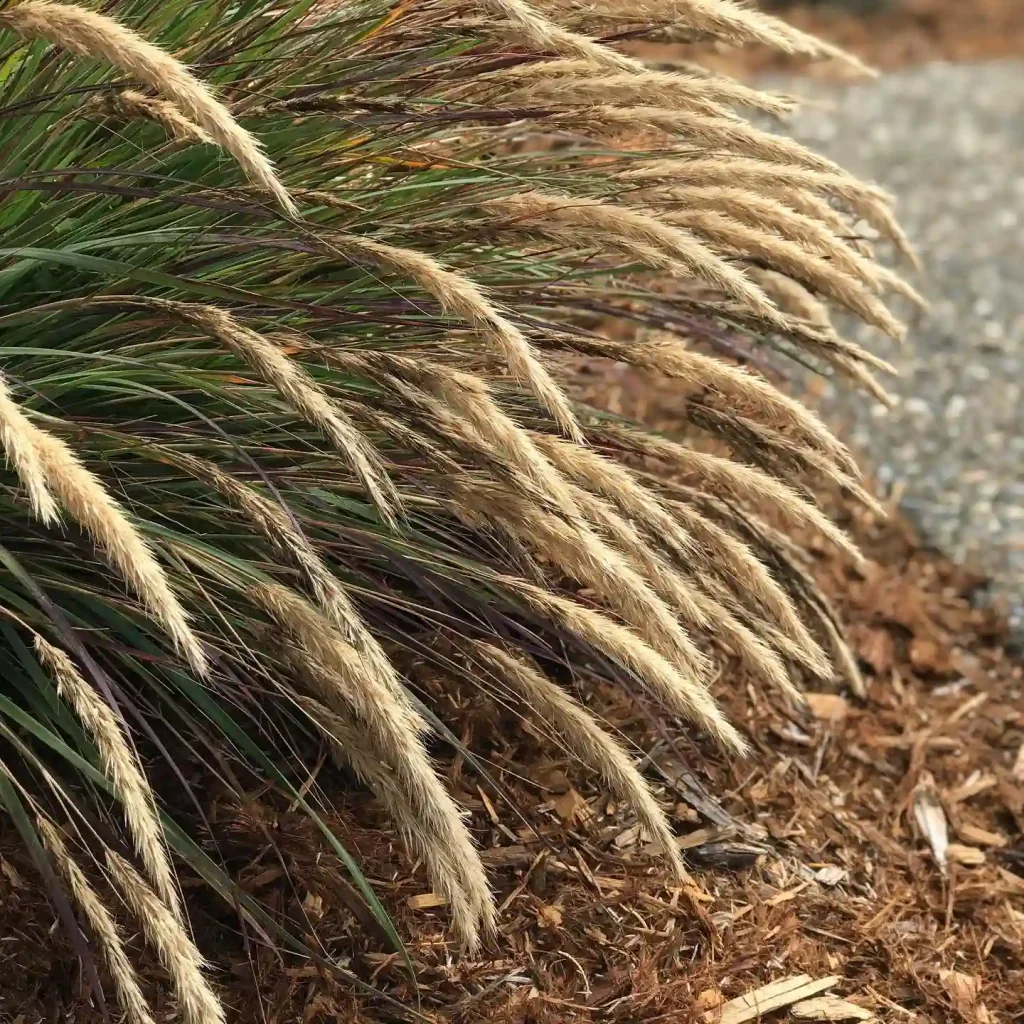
column 628, row 837
column 977, row 782
column 969, row 705
column 831, row 875
column 506, row 856
column 830, row 1007
column 931, row 819
column 709, row 999
column 981, row 836
column 572, row 808
column 701, row 836
column 1012, row 882
column 313, row 906
column 785, row 897
column 828, row 707
column 549, row 917
column 773, row 996
column 964, row 991
column 11, row 874
column 970, row 856
column 1018, row 765
column 425, row 901
column 491, row 812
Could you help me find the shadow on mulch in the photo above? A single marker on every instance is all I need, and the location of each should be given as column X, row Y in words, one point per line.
column 900, row 33
column 878, row 841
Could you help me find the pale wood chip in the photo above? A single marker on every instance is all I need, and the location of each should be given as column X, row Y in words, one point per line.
column 425, row 901
column 1018, row 765
column 831, row 875
column 1012, row 882
column 830, row 1007
column 970, row 856
column 981, row 836
column 709, row 999
column 964, row 992
column 829, row 707
column 931, row 819
column 773, row 996
column 977, row 782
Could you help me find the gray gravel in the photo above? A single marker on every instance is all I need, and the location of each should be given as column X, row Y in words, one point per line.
column 948, row 140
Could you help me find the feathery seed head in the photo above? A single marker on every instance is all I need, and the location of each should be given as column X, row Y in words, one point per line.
column 166, row 934
column 102, row 923
column 122, row 768
column 92, row 34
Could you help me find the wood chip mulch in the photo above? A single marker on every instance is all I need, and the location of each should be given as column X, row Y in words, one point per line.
column 866, row 862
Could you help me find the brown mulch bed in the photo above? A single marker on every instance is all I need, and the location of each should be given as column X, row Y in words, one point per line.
column 903, row 33
column 821, row 858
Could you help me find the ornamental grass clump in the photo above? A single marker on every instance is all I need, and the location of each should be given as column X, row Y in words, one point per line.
column 290, row 296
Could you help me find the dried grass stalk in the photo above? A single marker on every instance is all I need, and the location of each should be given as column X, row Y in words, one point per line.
column 395, row 729
column 824, row 274
column 838, row 220
column 91, row 506
column 630, row 543
column 573, row 82
column 353, row 745
column 733, row 92
column 580, row 553
column 103, row 925
column 734, row 386
column 17, row 435
column 744, row 483
column 618, row 485
column 468, row 397
column 130, row 103
column 748, row 578
column 298, row 389
column 177, row 952
column 583, row 735
column 811, row 232
column 459, row 295
column 739, row 25
column 122, row 769
column 400, row 431
column 754, row 652
column 579, row 220
column 542, row 33
column 281, row 530
column 684, row 598
column 92, row 34
column 775, row 452
column 765, row 177
column 788, row 555
column 676, row 693
column 767, row 631
column 707, row 131
column 848, row 357
column 798, row 300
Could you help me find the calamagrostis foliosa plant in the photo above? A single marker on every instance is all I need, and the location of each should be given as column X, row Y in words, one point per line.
column 288, row 297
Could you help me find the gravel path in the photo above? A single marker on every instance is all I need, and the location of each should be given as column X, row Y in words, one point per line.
column 948, row 140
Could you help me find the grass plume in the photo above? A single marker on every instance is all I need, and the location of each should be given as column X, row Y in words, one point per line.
column 92, row 34
column 122, row 768
column 102, row 923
